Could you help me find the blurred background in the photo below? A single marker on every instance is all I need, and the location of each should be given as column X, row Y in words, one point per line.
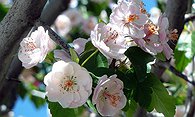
column 26, row 98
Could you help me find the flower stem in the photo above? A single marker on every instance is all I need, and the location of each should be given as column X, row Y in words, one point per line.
column 89, row 57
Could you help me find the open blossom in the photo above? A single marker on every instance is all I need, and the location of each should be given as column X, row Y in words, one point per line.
column 157, row 37
column 75, row 17
column 62, row 25
column 69, row 84
column 108, row 96
column 89, row 24
column 130, row 17
column 34, row 49
column 109, row 41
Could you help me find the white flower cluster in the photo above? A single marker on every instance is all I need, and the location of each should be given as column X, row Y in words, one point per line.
column 129, row 22
column 70, row 84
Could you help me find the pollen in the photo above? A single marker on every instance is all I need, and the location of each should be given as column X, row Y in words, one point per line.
column 173, row 35
column 68, row 84
column 152, row 29
column 113, row 98
column 132, row 18
column 111, row 34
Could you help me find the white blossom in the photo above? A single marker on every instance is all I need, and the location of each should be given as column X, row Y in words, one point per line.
column 108, row 96
column 130, row 17
column 69, row 84
column 109, row 40
column 33, row 49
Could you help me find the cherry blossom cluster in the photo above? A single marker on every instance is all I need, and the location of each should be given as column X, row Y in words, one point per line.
column 129, row 25
column 71, row 84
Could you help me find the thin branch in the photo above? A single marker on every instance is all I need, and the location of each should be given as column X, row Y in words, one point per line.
column 166, row 65
column 189, row 17
column 54, row 36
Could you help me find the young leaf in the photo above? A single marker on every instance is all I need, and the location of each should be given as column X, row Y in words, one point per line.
column 74, row 56
column 139, row 60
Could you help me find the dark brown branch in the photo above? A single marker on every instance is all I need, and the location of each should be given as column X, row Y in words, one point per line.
column 53, row 9
column 56, row 38
column 189, row 17
column 175, row 12
column 166, row 65
column 19, row 19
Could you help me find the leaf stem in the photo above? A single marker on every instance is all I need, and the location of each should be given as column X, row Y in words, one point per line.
column 89, row 57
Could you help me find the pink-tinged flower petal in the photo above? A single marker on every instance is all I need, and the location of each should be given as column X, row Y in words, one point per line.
column 133, row 9
column 163, row 22
column 34, row 49
column 79, row 45
column 105, row 109
column 63, row 67
column 143, row 18
column 63, row 84
column 66, row 99
column 135, row 32
column 167, row 51
column 108, row 96
column 52, row 86
column 109, row 40
column 61, row 54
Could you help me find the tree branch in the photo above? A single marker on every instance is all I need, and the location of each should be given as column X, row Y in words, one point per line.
column 20, row 18
column 189, row 17
column 175, row 11
column 166, row 65
column 53, row 9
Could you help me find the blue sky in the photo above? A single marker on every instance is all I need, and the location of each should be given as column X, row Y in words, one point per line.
column 25, row 108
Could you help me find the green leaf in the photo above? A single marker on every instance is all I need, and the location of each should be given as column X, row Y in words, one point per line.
column 193, row 43
column 57, row 110
column 89, row 46
column 37, row 101
column 3, row 11
column 184, row 50
column 96, row 8
column 160, row 56
column 132, row 108
column 143, row 93
column 139, row 60
column 74, row 56
column 92, row 60
column 161, row 100
column 128, row 79
column 181, row 61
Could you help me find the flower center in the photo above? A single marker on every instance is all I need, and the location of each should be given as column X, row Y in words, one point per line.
column 151, row 29
column 68, row 84
column 111, row 35
column 173, row 35
column 30, row 45
column 113, row 98
column 132, row 18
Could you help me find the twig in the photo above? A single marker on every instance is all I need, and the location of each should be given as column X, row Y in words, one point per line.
column 189, row 17
column 175, row 71
column 54, row 36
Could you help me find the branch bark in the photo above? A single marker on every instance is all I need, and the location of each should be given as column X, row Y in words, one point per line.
column 20, row 18
column 175, row 11
column 8, row 91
